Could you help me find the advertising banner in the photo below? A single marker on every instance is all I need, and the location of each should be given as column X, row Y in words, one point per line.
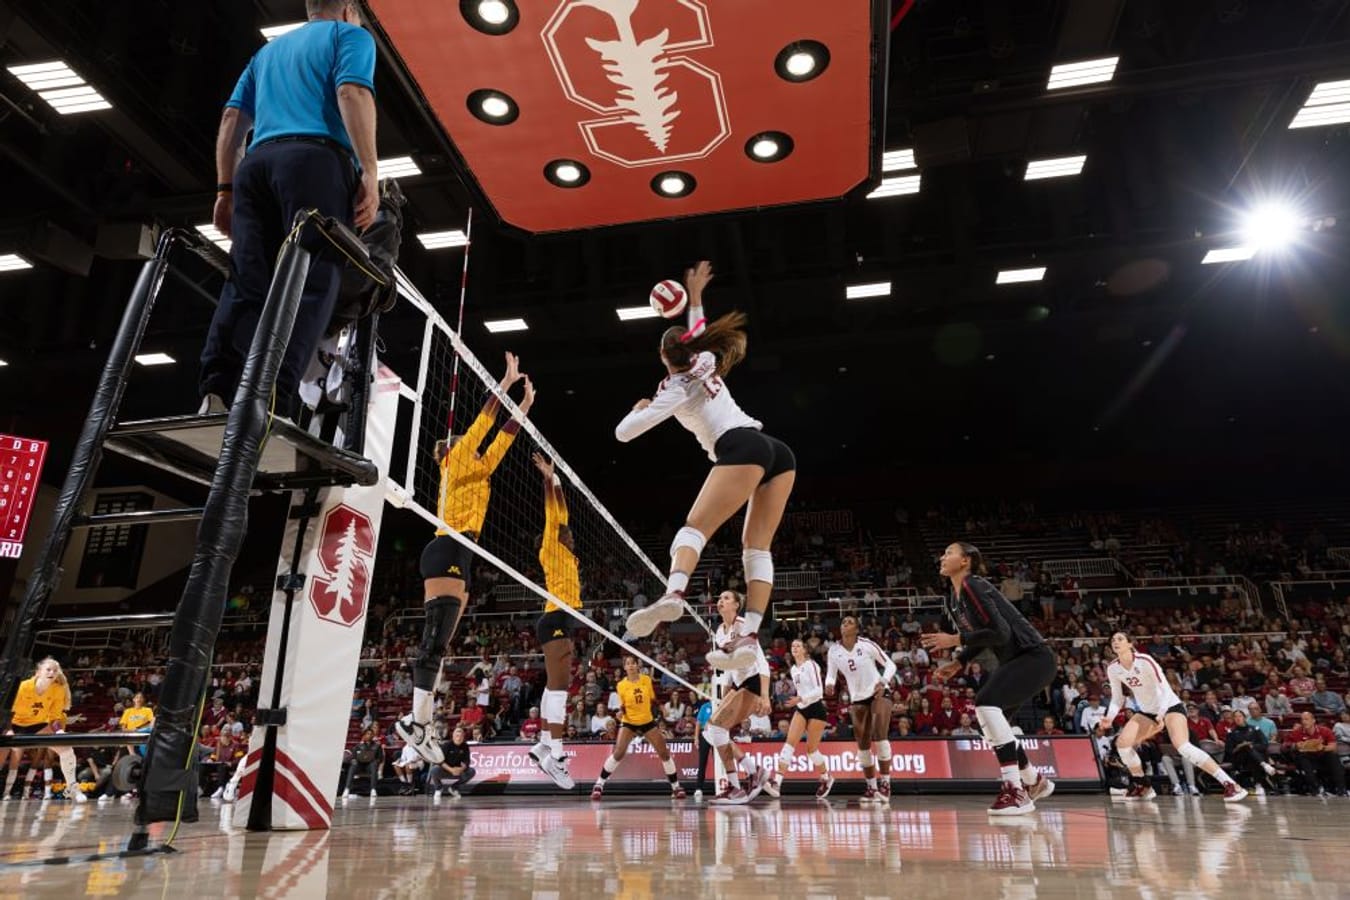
column 1064, row 758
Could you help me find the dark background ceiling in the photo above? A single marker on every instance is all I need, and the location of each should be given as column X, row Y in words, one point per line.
column 1127, row 356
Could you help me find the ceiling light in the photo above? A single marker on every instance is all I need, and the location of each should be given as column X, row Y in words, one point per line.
column 398, row 167
column 1057, row 167
column 273, row 32
column 629, row 313
column 896, row 186
column 13, row 262
column 1271, row 226
column 897, row 160
column 567, row 173
column 674, row 184
column 3, row 363
column 802, row 61
column 498, row 326
column 155, row 359
column 1017, row 276
column 59, row 85
column 1329, row 104
column 212, row 234
column 495, row 17
column 493, row 107
column 440, row 240
column 768, row 146
column 862, row 291
column 1077, row 74
column 1228, row 254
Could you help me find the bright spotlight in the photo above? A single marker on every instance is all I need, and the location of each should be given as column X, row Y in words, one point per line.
column 1271, row 226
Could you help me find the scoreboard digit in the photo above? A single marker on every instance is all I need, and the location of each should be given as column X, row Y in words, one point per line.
column 20, row 471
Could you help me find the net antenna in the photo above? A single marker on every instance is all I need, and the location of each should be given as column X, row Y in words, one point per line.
column 509, row 541
column 459, row 324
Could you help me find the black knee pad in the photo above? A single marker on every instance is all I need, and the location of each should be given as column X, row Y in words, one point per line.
column 442, row 616
column 1007, row 753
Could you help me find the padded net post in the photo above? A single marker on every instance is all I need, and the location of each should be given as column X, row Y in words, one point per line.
column 170, row 782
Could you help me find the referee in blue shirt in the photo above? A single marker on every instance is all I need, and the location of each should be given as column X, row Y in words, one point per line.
column 309, row 98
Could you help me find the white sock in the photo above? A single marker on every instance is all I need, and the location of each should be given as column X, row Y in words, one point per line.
column 555, row 744
column 749, row 765
column 1222, row 776
column 1010, row 774
column 677, row 581
column 1029, row 776
column 424, row 703
column 752, row 620
column 872, row 783
column 733, row 779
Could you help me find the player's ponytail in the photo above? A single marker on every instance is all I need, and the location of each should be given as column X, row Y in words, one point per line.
column 724, row 337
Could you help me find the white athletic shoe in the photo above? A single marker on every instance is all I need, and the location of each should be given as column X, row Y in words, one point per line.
column 698, row 796
column 220, row 792
column 212, row 404
column 76, row 794
column 231, row 792
column 773, row 785
column 420, row 738
column 552, row 766
column 740, row 653
column 669, row 608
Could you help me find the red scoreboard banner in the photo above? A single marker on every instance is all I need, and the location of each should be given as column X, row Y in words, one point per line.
column 930, row 760
column 20, row 468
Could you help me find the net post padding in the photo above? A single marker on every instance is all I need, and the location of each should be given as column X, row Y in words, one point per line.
column 407, row 492
column 83, row 467
column 169, row 786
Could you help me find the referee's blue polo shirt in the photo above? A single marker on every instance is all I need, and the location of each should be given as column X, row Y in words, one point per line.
column 289, row 87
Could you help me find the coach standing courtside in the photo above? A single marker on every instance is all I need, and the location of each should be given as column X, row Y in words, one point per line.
column 309, row 98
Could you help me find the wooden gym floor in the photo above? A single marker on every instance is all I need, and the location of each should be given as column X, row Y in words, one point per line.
column 538, row 847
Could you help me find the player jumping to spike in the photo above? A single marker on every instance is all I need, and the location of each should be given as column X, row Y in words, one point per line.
column 749, row 467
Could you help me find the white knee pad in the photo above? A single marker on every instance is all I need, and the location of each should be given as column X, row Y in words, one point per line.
column 758, row 565
column 688, row 537
column 883, row 750
column 1194, row 755
column 864, row 758
column 1130, row 757
column 817, row 758
column 553, row 707
column 717, row 735
column 994, row 725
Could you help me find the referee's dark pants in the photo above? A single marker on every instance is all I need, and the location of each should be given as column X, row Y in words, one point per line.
column 274, row 181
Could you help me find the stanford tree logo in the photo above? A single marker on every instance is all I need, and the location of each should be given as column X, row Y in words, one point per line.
column 346, row 552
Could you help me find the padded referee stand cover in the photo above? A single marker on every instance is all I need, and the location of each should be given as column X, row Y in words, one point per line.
column 323, row 648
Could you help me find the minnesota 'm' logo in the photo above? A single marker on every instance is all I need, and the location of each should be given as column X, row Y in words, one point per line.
column 626, row 61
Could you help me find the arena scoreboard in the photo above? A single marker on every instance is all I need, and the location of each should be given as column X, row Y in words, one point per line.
column 21, row 461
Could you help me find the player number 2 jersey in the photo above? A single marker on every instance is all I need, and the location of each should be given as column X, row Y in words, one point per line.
column 859, row 668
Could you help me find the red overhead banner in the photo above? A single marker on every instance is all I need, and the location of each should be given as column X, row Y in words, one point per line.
column 627, row 91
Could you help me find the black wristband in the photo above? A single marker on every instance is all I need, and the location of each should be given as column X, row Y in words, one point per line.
column 224, row 187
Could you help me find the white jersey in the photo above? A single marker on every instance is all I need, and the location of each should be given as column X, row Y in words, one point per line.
column 859, row 667
column 760, row 666
column 806, row 678
column 1146, row 682
column 702, row 405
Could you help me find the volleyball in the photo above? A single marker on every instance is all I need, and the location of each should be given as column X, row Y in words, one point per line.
column 669, row 298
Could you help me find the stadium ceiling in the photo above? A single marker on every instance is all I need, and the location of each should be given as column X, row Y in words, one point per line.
column 1117, row 178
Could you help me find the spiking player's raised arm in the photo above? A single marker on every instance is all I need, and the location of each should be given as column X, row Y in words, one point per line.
column 748, row 466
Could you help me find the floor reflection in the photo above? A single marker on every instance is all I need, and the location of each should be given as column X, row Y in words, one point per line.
column 630, row 847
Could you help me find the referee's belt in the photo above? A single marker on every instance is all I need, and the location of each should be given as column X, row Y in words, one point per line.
column 307, row 139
